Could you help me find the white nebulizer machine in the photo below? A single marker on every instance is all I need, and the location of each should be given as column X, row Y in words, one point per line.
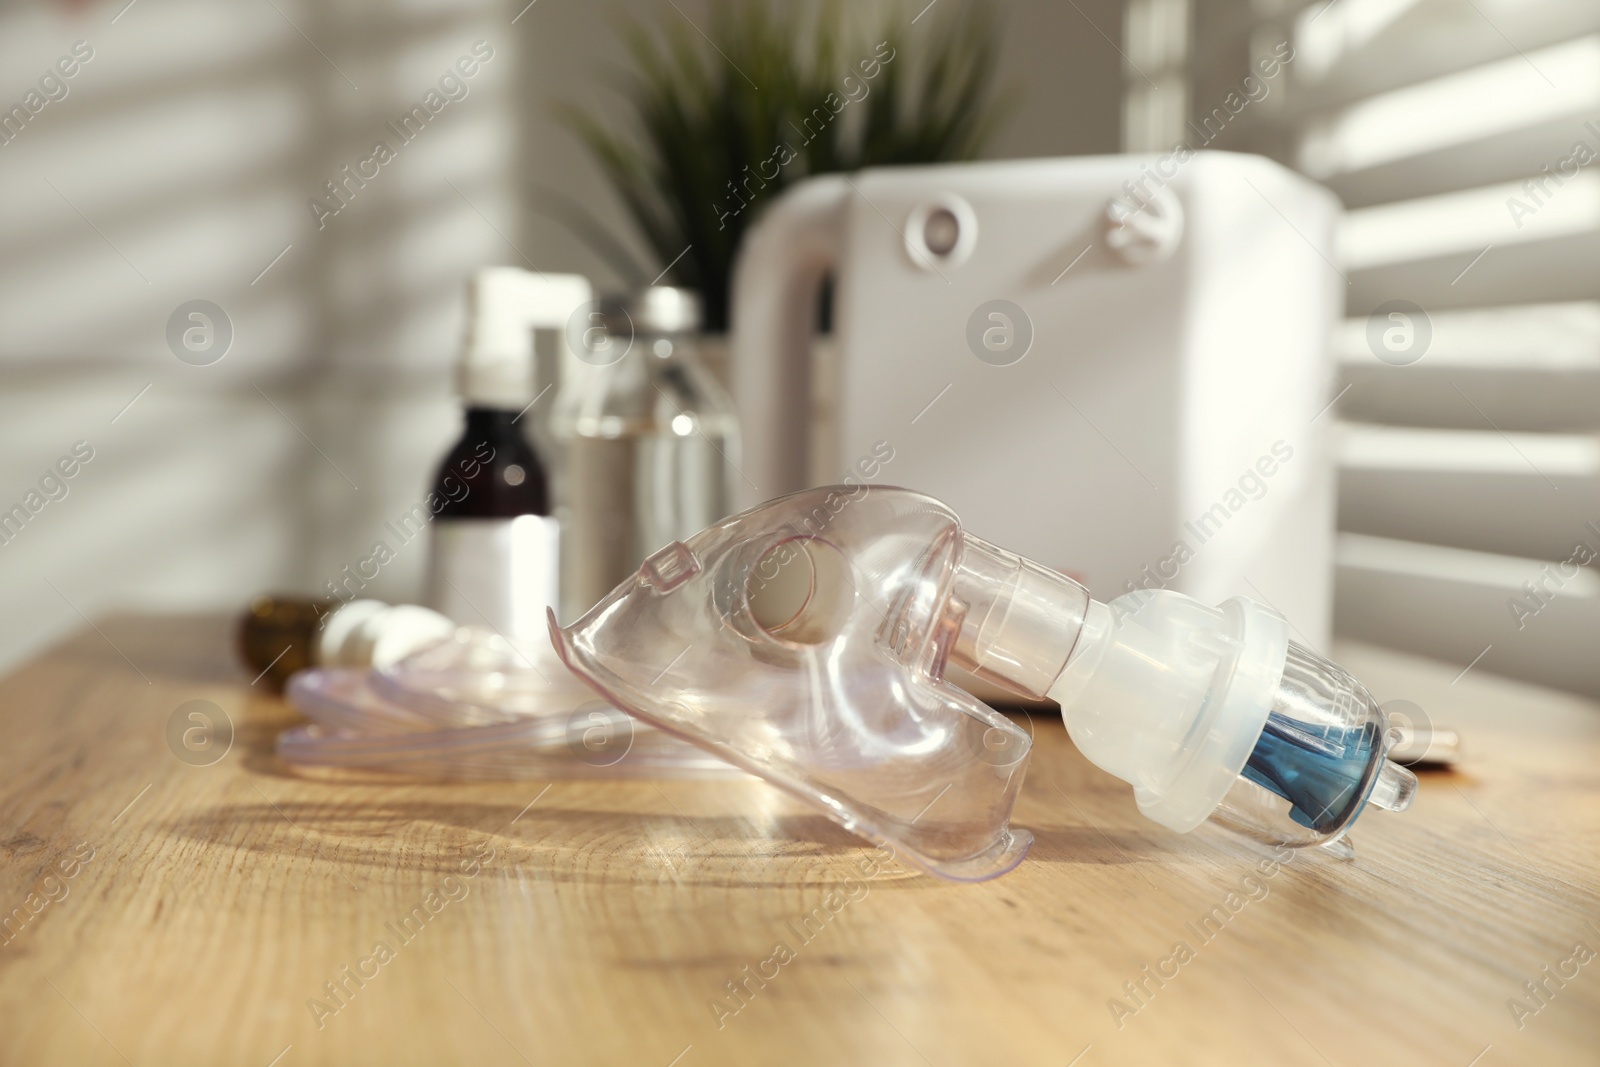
column 1141, row 339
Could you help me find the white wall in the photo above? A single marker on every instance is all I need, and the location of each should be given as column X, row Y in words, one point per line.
column 179, row 166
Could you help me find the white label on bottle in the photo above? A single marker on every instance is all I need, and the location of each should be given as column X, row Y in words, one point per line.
column 500, row 573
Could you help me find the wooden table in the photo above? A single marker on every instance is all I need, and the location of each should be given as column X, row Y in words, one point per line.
column 180, row 914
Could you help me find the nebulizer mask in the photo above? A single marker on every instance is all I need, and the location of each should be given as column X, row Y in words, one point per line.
column 806, row 641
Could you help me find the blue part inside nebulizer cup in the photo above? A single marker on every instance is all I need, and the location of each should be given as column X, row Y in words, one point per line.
column 806, row 640
column 1213, row 712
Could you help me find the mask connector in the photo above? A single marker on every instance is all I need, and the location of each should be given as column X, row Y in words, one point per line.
column 1215, row 712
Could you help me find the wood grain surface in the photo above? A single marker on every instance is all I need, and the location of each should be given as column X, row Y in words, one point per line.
column 163, row 913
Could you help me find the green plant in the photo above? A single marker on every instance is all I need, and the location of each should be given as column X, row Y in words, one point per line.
column 723, row 123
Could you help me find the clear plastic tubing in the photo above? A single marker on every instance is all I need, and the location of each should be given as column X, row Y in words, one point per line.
column 472, row 704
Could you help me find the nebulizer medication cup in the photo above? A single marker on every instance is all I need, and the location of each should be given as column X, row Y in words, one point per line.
column 831, row 684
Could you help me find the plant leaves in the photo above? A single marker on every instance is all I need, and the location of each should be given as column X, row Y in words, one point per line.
column 721, row 125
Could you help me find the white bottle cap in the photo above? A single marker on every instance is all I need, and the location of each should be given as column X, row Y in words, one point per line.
column 339, row 627
column 504, row 306
column 370, row 633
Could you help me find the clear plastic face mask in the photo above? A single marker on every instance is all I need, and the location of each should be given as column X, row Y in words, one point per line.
column 805, row 641
column 773, row 640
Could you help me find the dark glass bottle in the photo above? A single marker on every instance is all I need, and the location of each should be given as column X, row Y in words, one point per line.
column 493, row 471
column 279, row 635
column 494, row 548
